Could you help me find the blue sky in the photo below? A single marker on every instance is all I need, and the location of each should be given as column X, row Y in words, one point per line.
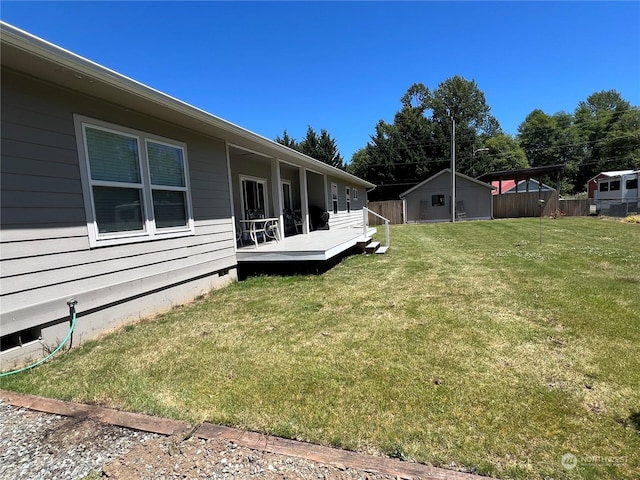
column 343, row 66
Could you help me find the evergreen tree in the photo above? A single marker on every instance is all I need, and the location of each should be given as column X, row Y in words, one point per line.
column 322, row 147
column 287, row 141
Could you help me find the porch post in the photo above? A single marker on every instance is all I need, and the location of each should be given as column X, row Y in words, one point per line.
column 277, row 195
column 304, row 200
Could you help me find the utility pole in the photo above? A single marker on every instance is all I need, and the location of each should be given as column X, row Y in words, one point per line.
column 453, row 169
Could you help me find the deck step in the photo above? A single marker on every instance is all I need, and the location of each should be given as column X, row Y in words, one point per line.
column 372, row 247
column 382, row 250
column 363, row 242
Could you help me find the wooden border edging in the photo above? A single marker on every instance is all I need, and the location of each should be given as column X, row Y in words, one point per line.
column 252, row 440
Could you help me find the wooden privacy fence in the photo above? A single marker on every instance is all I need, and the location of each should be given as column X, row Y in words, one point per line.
column 515, row 205
column 575, row 208
column 511, row 205
column 391, row 209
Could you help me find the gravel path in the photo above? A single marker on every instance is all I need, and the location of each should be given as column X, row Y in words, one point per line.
column 36, row 445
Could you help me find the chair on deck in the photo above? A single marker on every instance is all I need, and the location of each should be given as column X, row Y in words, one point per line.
column 271, row 230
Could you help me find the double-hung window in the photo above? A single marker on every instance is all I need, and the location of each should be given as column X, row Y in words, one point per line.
column 136, row 184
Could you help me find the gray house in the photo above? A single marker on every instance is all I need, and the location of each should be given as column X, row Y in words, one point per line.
column 131, row 201
column 430, row 200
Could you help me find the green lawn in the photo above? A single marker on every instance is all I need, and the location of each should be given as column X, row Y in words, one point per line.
column 469, row 343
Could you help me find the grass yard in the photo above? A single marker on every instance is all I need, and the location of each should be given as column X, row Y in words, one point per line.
column 467, row 343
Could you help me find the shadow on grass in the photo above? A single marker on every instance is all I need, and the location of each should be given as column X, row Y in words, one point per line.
column 252, row 269
column 634, row 420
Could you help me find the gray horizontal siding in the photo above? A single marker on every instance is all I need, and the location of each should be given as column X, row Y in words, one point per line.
column 25, row 233
column 40, row 199
column 24, row 313
column 476, row 199
column 16, row 261
column 45, row 254
column 40, row 215
column 112, row 270
column 26, row 183
column 23, row 244
column 342, row 198
column 344, row 219
column 27, row 150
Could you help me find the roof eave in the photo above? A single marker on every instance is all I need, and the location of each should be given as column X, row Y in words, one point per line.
column 41, row 48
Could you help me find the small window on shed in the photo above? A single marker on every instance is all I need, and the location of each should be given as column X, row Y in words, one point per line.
column 631, row 184
column 604, row 186
column 437, row 200
column 614, row 185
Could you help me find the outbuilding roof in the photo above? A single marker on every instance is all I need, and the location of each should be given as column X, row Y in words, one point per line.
column 614, row 173
column 442, row 172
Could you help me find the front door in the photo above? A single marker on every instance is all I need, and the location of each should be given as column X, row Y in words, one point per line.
column 254, row 198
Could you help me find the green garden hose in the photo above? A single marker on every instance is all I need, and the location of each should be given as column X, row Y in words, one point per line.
column 28, row 367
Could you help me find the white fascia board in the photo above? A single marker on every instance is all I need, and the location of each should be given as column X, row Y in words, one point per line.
column 39, row 47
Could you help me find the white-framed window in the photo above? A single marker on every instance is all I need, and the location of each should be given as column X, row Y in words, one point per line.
column 135, row 184
column 334, row 198
column 286, row 195
column 254, row 197
column 347, row 196
column 355, row 194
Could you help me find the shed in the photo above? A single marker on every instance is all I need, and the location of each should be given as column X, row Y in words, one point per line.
column 430, row 200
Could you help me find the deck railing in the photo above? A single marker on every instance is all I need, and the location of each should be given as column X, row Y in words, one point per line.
column 365, row 223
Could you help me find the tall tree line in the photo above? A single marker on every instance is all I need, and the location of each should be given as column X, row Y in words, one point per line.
column 321, row 147
column 418, row 142
column 603, row 133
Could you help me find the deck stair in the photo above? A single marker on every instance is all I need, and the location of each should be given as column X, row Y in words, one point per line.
column 362, row 244
column 367, row 245
column 372, row 247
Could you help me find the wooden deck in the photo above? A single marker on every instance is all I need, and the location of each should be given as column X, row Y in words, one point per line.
column 320, row 245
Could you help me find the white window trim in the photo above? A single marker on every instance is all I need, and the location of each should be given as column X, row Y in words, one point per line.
column 266, row 194
column 286, row 182
column 150, row 232
column 347, row 198
column 354, row 193
column 334, row 198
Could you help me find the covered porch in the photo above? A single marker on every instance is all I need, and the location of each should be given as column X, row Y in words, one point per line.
column 320, row 245
column 267, row 187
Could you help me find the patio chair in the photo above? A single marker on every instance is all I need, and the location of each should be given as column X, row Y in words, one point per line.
column 289, row 223
column 271, row 231
column 254, row 214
